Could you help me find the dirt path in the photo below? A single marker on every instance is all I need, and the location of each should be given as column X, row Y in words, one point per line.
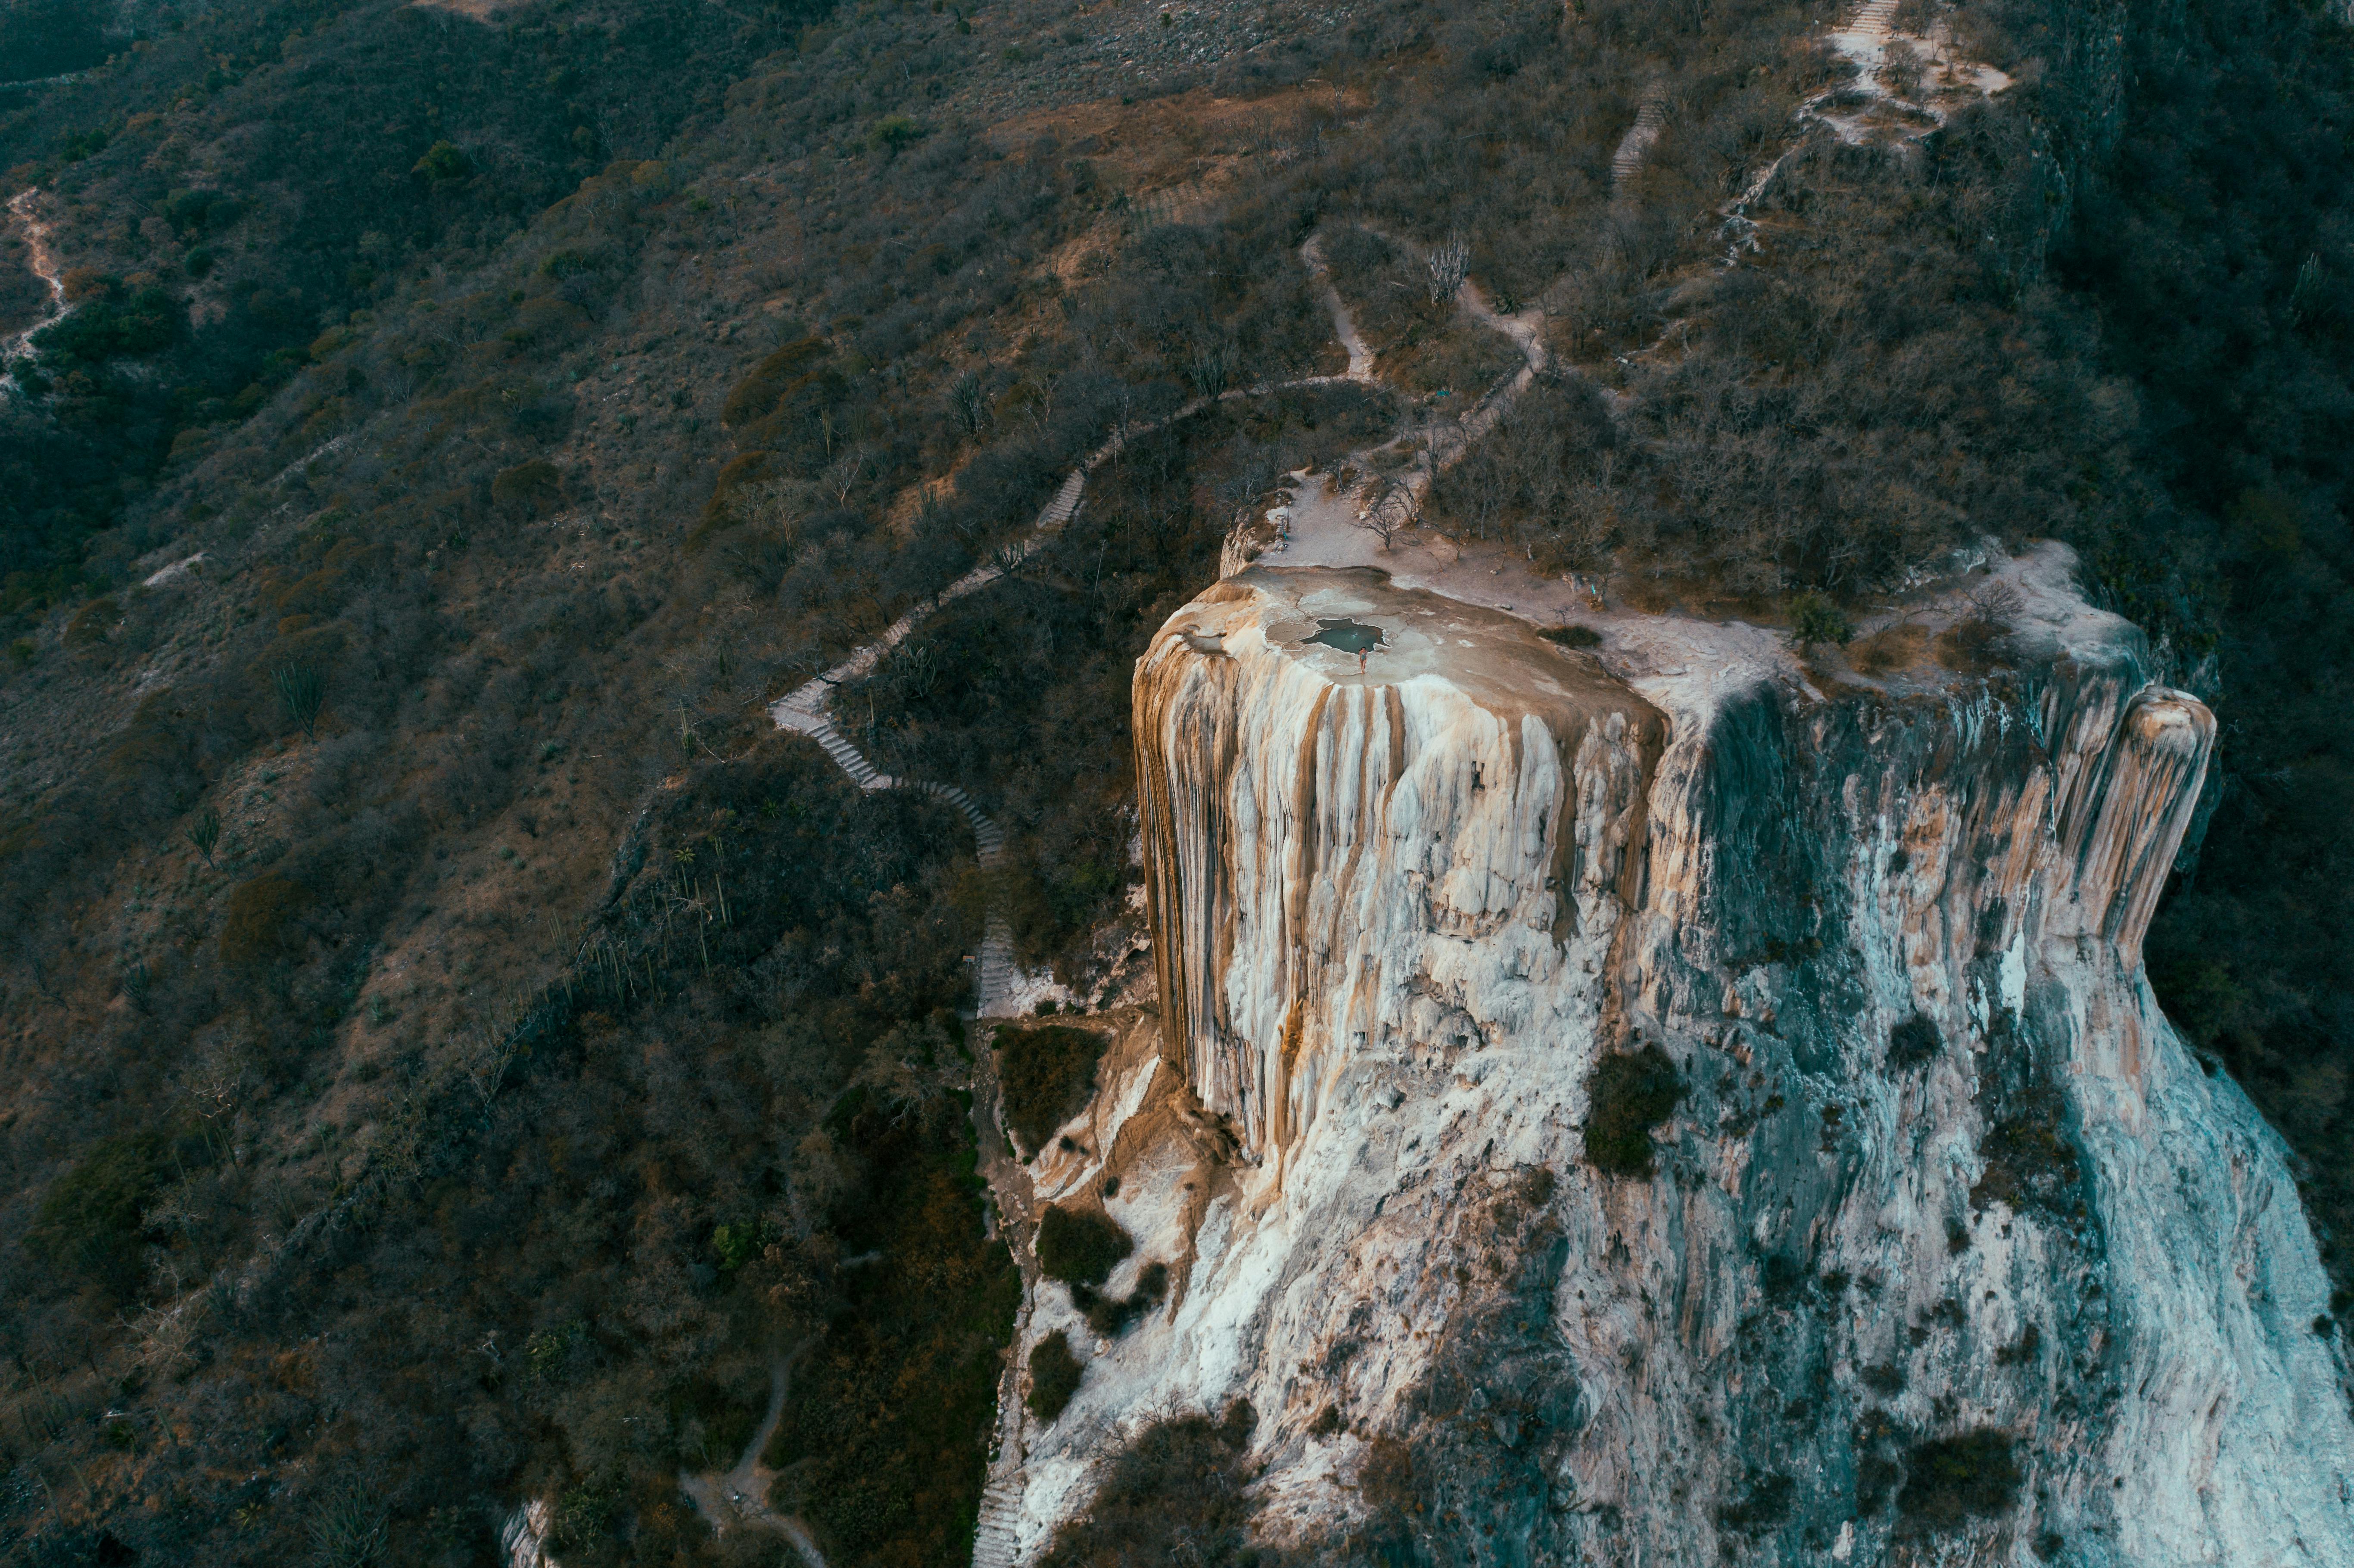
column 1345, row 326
column 22, row 207
column 739, row 1499
column 1325, row 520
column 1866, row 110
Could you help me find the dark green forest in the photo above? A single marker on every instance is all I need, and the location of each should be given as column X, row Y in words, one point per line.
column 458, row 1052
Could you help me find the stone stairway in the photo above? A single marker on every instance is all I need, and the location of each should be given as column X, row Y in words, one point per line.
column 1873, row 16
column 803, row 711
column 847, row 756
column 1065, row 501
column 1650, row 116
column 995, row 988
column 997, row 1544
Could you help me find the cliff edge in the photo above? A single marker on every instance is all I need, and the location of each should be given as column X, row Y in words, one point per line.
column 1652, row 1102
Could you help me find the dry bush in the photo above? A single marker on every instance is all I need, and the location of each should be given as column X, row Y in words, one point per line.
column 1887, row 649
column 1974, row 645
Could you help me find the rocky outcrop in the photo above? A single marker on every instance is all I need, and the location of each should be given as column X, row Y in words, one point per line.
column 1939, row 1172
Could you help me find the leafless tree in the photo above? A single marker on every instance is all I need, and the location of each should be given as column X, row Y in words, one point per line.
column 1448, row 264
column 843, row 474
column 1032, row 399
column 1389, row 511
column 486, row 1052
column 213, row 1083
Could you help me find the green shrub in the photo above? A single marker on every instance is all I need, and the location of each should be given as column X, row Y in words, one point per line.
column 1110, row 1316
column 1573, row 636
column 529, row 488
column 1055, row 1375
column 91, row 623
column 569, row 262
column 1876, row 1476
column 735, row 1245
column 1629, row 1094
column 757, row 396
column 894, row 132
column 1956, row 1478
column 712, row 1425
column 443, row 164
column 204, row 833
column 1767, row 1505
column 2031, row 1163
column 302, row 688
column 1815, row 619
column 259, row 925
column 548, row 321
column 346, row 1525
column 89, row 1222
column 112, row 320
column 1080, row 1246
column 1048, row 1074
column 884, row 1442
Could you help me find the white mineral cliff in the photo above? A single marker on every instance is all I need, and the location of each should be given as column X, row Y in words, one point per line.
column 1941, row 1167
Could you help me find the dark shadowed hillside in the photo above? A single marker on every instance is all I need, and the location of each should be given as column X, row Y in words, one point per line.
column 458, row 1051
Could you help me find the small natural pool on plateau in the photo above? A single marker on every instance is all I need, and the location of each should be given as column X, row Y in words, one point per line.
column 1348, row 636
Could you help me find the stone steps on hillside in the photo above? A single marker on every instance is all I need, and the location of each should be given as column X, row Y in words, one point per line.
column 1872, row 16
column 998, row 1544
column 997, row 970
column 1065, row 502
column 1651, row 117
column 848, row 757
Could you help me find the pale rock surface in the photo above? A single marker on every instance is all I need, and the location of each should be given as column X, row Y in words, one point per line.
column 1399, row 915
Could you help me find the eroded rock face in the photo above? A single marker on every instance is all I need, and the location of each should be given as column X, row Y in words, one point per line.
column 1941, row 1171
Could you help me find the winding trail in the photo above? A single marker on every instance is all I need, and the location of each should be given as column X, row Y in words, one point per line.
column 1334, row 525
column 1864, row 109
column 44, row 267
column 1325, row 528
column 740, row 1497
column 803, row 711
column 1345, row 326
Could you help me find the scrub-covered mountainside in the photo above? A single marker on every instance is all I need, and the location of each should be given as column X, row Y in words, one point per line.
column 476, row 1084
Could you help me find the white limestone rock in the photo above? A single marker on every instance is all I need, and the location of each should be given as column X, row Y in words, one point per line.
column 1401, row 914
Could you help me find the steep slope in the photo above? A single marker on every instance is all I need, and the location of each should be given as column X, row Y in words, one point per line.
column 1943, row 1215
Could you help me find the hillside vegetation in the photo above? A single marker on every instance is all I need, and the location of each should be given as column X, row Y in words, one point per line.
column 456, row 1049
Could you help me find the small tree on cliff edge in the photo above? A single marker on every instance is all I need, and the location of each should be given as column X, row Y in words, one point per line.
column 1815, row 619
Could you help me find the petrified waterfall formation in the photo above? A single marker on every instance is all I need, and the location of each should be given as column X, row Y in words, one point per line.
column 1464, row 832
column 1940, row 1170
